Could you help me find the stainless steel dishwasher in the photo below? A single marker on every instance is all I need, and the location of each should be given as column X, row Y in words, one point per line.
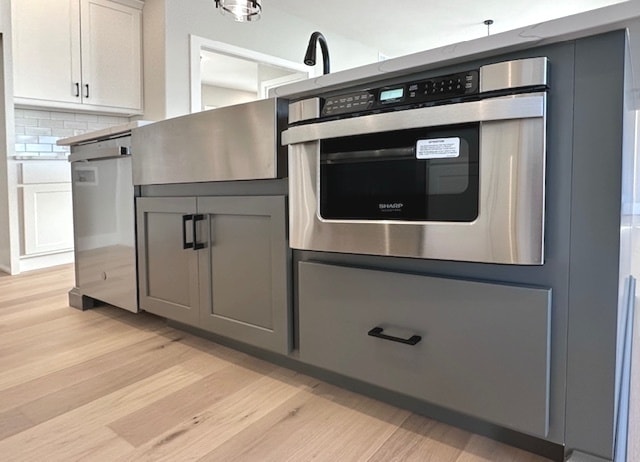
column 104, row 224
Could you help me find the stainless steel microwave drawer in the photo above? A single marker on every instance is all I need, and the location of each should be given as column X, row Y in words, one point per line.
column 480, row 349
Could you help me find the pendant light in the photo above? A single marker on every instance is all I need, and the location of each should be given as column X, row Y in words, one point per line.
column 240, row 10
column 488, row 22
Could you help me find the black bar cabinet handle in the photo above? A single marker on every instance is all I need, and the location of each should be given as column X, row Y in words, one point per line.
column 185, row 244
column 86, row 85
column 77, row 85
column 197, row 245
column 377, row 332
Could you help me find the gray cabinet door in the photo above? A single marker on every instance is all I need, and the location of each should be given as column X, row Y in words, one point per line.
column 167, row 271
column 244, row 270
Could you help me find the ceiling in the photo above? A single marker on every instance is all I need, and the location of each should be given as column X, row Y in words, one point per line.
column 402, row 27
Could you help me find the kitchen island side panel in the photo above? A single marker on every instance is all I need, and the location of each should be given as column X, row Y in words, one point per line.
column 595, row 243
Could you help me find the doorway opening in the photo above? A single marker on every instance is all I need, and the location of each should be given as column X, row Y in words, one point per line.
column 223, row 74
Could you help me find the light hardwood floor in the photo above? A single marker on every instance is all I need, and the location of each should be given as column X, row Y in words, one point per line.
column 109, row 385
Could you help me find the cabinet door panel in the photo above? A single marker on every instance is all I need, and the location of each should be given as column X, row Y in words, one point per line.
column 47, row 218
column 111, row 58
column 168, row 273
column 244, row 270
column 46, row 43
column 241, row 268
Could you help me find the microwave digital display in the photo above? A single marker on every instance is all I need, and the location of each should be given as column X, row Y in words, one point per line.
column 391, row 95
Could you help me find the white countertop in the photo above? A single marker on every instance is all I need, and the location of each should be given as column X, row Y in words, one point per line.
column 100, row 134
column 615, row 17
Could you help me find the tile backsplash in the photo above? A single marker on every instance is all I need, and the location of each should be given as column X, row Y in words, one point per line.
column 38, row 130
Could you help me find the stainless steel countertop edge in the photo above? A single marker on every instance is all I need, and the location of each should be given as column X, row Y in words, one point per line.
column 103, row 133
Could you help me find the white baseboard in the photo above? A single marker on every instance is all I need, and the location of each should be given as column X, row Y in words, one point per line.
column 45, row 261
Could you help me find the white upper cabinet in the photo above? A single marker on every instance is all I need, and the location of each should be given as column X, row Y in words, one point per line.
column 78, row 54
column 111, row 54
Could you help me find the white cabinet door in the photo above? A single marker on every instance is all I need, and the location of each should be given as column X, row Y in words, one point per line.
column 78, row 54
column 111, row 54
column 47, row 218
column 46, row 40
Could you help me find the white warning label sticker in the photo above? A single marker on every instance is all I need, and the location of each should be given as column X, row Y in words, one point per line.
column 438, row 148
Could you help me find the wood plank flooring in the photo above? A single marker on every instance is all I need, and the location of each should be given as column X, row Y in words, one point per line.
column 109, row 385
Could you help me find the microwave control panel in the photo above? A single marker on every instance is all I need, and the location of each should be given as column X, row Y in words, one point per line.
column 409, row 93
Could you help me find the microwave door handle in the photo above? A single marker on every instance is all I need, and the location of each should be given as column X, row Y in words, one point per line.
column 397, row 153
column 512, row 107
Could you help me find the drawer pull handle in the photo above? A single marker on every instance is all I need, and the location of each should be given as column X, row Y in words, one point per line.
column 377, row 332
column 185, row 244
column 197, row 245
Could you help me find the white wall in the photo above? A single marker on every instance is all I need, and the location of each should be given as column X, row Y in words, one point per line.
column 219, row 97
column 277, row 33
column 5, row 246
column 154, row 61
column 8, row 202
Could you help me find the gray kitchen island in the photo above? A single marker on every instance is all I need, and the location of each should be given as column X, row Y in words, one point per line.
column 535, row 354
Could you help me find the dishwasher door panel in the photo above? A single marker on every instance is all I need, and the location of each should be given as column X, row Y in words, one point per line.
column 104, row 231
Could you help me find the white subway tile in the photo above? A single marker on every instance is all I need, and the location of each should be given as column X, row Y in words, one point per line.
column 38, row 148
column 20, row 147
column 86, row 117
column 62, row 132
column 63, row 116
column 19, row 131
column 37, row 131
column 23, row 122
column 26, row 139
column 48, row 139
column 96, row 126
column 112, row 120
column 50, row 123
column 32, row 114
column 75, row 125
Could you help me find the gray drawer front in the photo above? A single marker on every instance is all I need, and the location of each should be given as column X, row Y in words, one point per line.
column 484, row 349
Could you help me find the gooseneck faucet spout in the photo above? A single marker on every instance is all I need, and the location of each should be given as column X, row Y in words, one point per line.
column 310, row 55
